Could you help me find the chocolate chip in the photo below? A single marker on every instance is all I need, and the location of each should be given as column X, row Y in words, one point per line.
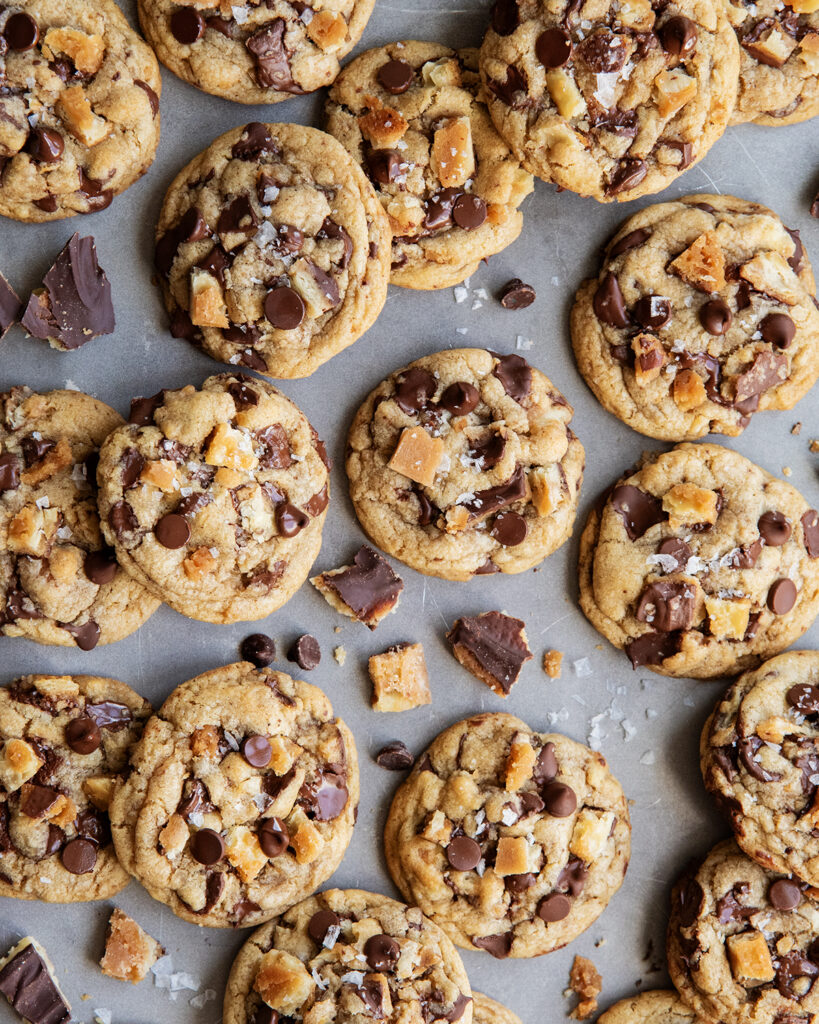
column 273, row 837
column 628, row 242
column 26, row 982
column 272, row 61
column 509, row 529
column 83, row 735
column 9, row 472
column 395, row 757
column 515, row 374
column 782, row 596
column 187, row 25
column 395, row 76
column 559, row 799
column 519, row 883
column 488, row 451
column 258, row 649
column 517, row 295
column 777, row 329
column 284, row 308
column 21, row 31
column 207, row 846
column 804, row 697
column 382, row 952
column 553, row 48
column 652, row 311
column 691, row 899
column 86, row 636
column 497, row 945
column 469, row 212
column 414, row 389
column 290, row 520
column 638, row 509
column 100, row 566
column 678, row 37
column 652, row 648
column 554, row 907
column 438, row 208
column 785, row 894
column 385, row 165
column 256, row 750
column 546, row 765
column 666, row 605
column 463, row 853
column 45, row 145
column 331, row 797
column 79, row 856
column 368, row 586
column 628, row 175
column 305, row 652
column 460, row 398
column 495, row 643
column 172, row 531
column 573, row 877
column 674, row 547
column 608, row 303
column 97, row 196
column 505, row 17
column 254, row 142
column 238, row 217
column 810, row 532
column 320, row 925
column 715, row 316
column 774, row 528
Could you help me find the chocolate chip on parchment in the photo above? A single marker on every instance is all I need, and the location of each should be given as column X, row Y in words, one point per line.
column 395, row 757
column 305, row 652
column 207, row 846
column 463, row 853
column 259, row 649
column 395, row 76
column 517, row 295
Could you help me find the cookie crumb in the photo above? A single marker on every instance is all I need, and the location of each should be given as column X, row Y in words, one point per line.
column 787, row 471
column 400, row 679
column 340, row 654
column 552, row 663
column 586, row 983
column 493, row 647
column 814, row 445
column 129, row 951
column 366, row 591
column 796, row 429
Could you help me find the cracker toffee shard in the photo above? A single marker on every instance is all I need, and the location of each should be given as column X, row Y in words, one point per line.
column 27, row 981
column 367, row 590
column 493, row 647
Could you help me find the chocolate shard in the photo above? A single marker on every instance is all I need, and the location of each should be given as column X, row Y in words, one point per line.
column 653, row 648
column 498, row 945
column 491, row 646
column 75, row 303
column 638, row 509
column 28, row 984
column 10, row 306
column 766, row 371
column 367, row 590
column 485, row 503
column 667, row 605
column 272, row 59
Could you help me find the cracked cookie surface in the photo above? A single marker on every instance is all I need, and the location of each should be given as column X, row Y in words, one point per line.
column 700, row 563
column 655, row 1007
column 241, row 797
column 463, row 463
column 512, row 841
column 214, row 499
column 79, row 107
column 702, row 313
column 64, row 743
column 272, row 249
column 254, row 52
column 759, row 758
column 611, row 100
column 347, row 955
column 413, row 116
column 61, row 583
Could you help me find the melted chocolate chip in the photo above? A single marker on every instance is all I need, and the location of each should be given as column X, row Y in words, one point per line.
column 497, row 945
column 21, row 31
column 608, row 303
column 469, row 212
column 45, row 145
column 460, row 398
column 715, row 316
column 273, row 837
column 678, row 37
column 784, row 894
column 9, row 472
column 395, row 76
column 652, row 311
column 272, row 60
column 546, row 765
column 414, row 389
column 638, row 509
column 629, row 241
column 515, row 374
column 666, row 605
column 804, row 697
column 83, row 735
column 653, row 648
column 573, row 877
column 100, row 566
column 630, row 172
column 691, row 900
column 382, row 952
column 509, row 529
column 86, row 636
column 559, row 799
column 254, row 142
column 774, row 528
column 674, row 547
column 505, row 17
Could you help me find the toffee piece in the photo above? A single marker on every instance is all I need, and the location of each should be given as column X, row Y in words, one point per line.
column 29, row 983
column 493, row 647
column 366, row 591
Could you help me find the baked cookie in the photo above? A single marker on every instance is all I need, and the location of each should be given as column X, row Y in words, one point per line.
column 348, row 955
column 742, row 941
column 702, row 313
column 214, row 499
column 79, row 107
column 61, row 584
column 512, row 841
column 64, row 743
column 759, row 758
column 463, row 463
column 272, row 249
column 413, row 116
column 241, row 797
column 657, row 1007
column 699, row 563
column 254, row 52
column 779, row 69
column 611, row 100
column 488, row 1011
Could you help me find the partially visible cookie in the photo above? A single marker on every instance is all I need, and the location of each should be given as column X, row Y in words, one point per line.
column 60, row 582
column 700, row 563
column 64, row 743
column 347, row 955
column 779, row 69
column 413, row 116
column 463, row 463
column 759, row 757
column 657, row 1007
column 743, row 942
column 488, row 1011
column 512, row 841
column 702, row 313
column 272, row 249
column 241, row 797
column 254, row 52
column 610, row 100
column 214, row 499
column 79, row 110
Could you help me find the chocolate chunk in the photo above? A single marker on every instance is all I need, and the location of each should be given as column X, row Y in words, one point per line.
column 256, row 750
column 715, row 316
column 791, row 966
column 273, row 837
column 187, row 26
column 491, row 646
column 414, row 389
column 496, row 945
column 9, row 472
column 290, row 520
column 83, row 735
column 368, row 587
column 35, row 448
column 603, row 52
column 685, row 149
column 638, row 509
column 628, row 242
column 76, row 303
column 652, row 311
column 329, row 797
column 21, row 32
column 469, row 212
column 195, row 800
column 45, row 145
column 519, row 883
column 608, row 303
column 730, row 909
column 666, row 606
column 79, row 856
column 238, row 217
column 322, row 924
column 438, row 208
column 517, row 295
column 553, row 48
column 554, row 907
column 275, row 445
column 782, row 596
column 509, row 529
column 674, row 547
column 272, row 59
column 628, row 175
column 258, row 649
column 559, row 800
column 143, row 409
column 25, row 979
column 305, row 652
column 784, row 894
column 326, row 283
column 546, row 765
column 108, row 714
column 35, row 800
column 395, row 76
column 691, row 900
column 385, row 165
column 573, row 877
column 132, row 463
column 284, row 308
column 766, row 371
column 172, row 531
column 678, row 37
column 10, row 305
column 153, row 99
column 810, row 532
column 86, row 636
column 463, row 853
column 514, row 90
column 774, row 528
column 653, row 648
column 505, row 17
column 214, row 887
column 515, row 374
column 97, row 196
column 460, row 398
column 254, row 142
column 207, row 846
column 395, row 757
column 382, row 952
column 797, row 261
column 777, row 329
column 488, row 451
column 747, row 749
column 244, row 397
column 804, row 697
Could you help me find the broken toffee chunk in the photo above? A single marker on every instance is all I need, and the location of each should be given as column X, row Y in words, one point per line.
column 493, row 647
column 10, row 306
column 74, row 304
column 367, row 590
column 129, row 951
column 28, row 981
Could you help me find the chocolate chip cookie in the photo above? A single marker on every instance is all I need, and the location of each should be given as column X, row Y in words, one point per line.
column 759, row 758
column 512, row 841
column 463, row 463
column 489, row 1011
column 700, row 563
column 273, row 251
column 214, row 498
column 254, row 52
column 779, row 69
column 241, row 797
column 64, row 743
column 61, row 583
column 742, row 941
column 612, row 100
column 413, row 116
column 79, row 107
column 702, row 313
column 347, row 955
column 657, row 1007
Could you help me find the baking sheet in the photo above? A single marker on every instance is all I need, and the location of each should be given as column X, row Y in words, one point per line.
column 646, row 725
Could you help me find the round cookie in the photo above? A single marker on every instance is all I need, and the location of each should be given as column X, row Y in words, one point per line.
column 759, row 758
column 79, row 107
column 702, row 313
column 64, row 743
column 214, row 499
column 612, row 100
column 241, row 799
column 60, row 583
column 742, row 941
column 512, row 841
column 254, row 52
column 779, row 67
column 346, row 955
column 700, row 563
column 413, row 116
column 463, row 463
column 488, row 1011
column 656, row 1007
column 273, row 251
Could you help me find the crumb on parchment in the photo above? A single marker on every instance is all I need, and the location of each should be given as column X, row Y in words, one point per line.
column 586, row 983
